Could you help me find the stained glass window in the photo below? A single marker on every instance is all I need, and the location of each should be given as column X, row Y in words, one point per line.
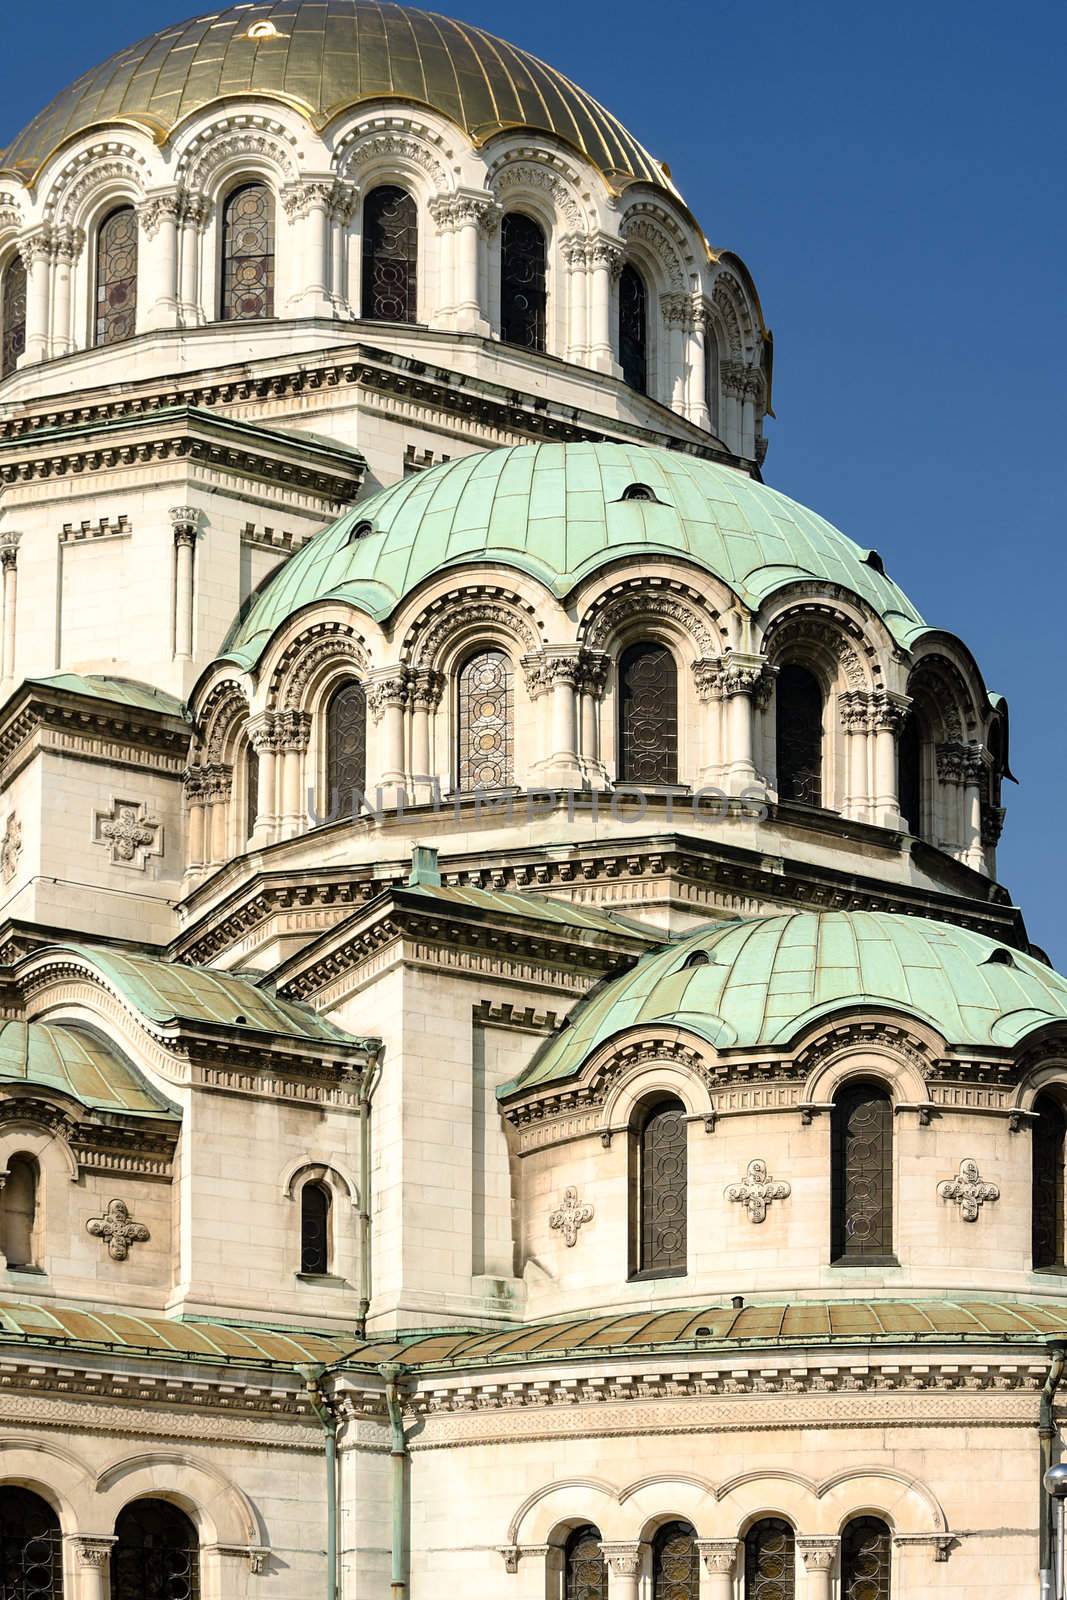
column 866, row 1560
column 251, row 790
column 663, row 1181
column 31, row 1547
column 523, row 282
column 157, row 1554
column 798, row 702
column 770, row 1561
column 485, row 722
column 675, row 1563
column 1047, row 1191
column 116, row 276
column 862, row 1179
column 346, row 746
column 314, row 1228
column 711, row 376
column 390, row 255
column 248, row 254
column 648, row 715
column 585, row 1570
column 909, row 773
column 13, row 315
column 633, row 328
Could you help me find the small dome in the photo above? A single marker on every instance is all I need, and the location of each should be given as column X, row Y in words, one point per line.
column 559, row 512
column 325, row 56
column 767, row 978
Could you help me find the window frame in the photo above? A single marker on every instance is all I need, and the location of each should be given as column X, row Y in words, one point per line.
column 642, row 1196
column 840, row 1257
column 825, row 774
column 413, row 291
column 459, row 761
column 545, row 311
column 120, row 206
column 225, row 201
column 648, row 643
column 13, row 261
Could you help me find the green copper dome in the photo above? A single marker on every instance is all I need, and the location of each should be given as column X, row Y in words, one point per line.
column 324, row 57
column 758, row 982
column 559, row 512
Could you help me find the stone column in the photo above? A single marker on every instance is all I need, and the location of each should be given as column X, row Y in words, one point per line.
column 218, row 780
column 731, row 378
column 593, row 672
column 192, row 215
column 426, row 692
column 92, row 1564
column 441, row 209
column 184, row 521
column 624, row 1570
column 888, row 714
column 745, row 679
column 9, row 549
column 471, row 213
column 855, row 713
column 293, row 736
column 749, row 393
column 68, row 247
column 262, row 734
column 37, row 251
column 607, row 258
column 818, row 1558
column 973, row 769
column 307, row 207
column 696, row 366
column 157, row 294
column 574, row 250
column 388, row 693
column 194, row 781
column 720, row 1558
column 673, row 381
column 556, row 670
column 343, row 197
column 708, row 678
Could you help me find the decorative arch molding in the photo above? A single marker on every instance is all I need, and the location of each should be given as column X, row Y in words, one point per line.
column 735, row 314
column 432, row 634
column 38, row 1125
column 313, row 652
column 1041, row 1068
column 938, row 686
column 246, row 143
column 306, row 1170
column 222, row 1512
column 888, row 1049
column 107, row 172
column 631, row 1082
column 648, row 227
column 56, row 1473
column 564, row 1486
column 857, row 1478
column 657, row 1480
column 517, row 175
column 828, row 636
column 226, row 705
column 405, row 146
column 683, row 609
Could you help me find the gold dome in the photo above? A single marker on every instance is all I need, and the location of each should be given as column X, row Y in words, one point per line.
column 324, row 56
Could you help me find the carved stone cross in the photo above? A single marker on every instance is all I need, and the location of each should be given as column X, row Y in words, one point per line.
column 757, row 1191
column 569, row 1217
column 118, row 1229
column 131, row 835
column 968, row 1190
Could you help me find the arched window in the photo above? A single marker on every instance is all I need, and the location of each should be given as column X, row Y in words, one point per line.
column 711, row 376
column 248, row 254
column 862, row 1179
column 13, row 315
column 314, row 1228
column 156, row 1555
column 31, row 1547
column 675, row 1563
column 866, row 1559
column 523, row 282
column 1047, row 1189
column 633, row 328
column 798, row 735
column 485, row 721
column 770, row 1561
column 648, row 715
column 251, row 790
column 661, row 1189
column 18, row 1213
column 390, row 255
column 909, row 773
column 585, row 1572
column 346, row 745
column 116, row 276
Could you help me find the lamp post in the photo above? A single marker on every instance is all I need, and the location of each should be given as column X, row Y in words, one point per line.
column 1056, row 1487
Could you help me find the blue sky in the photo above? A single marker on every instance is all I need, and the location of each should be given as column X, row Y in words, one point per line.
column 889, row 174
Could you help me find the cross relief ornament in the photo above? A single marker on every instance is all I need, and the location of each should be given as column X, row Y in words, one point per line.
column 569, row 1216
column 118, row 1230
column 10, row 848
column 757, row 1191
column 968, row 1190
column 130, row 833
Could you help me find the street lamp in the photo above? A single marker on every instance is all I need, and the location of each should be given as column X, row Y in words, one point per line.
column 1056, row 1488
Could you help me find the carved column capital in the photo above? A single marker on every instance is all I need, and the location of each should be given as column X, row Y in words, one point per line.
column 92, row 1552
column 817, row 1554
column 427, row 687
column 718, row 1555
column 592, row 672
column 606, row 252
column 743, row 674
column 854, row 706
column 37, row 246
column 185, row 521
column 292, row 730
column 193, row 208
column 9, row 547
column 389, row 687
column 155, row 207
column 888, row 711
column 300, row 199
column 623, row 1559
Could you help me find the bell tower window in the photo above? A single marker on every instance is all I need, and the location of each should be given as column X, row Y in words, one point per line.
column 116, row 276
column 390, row 255
column 523, row 282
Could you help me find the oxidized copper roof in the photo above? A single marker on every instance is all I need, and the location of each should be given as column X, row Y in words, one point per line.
column 710, row 1328
column 77, row 1061
column 324, row 56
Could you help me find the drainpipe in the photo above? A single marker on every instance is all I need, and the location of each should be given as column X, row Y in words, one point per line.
column 1046, row 1432
column 367, row 1084
column 325, row 1413
column 398, row 1452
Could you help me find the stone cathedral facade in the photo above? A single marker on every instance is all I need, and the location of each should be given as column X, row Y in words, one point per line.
column 518, row 1077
